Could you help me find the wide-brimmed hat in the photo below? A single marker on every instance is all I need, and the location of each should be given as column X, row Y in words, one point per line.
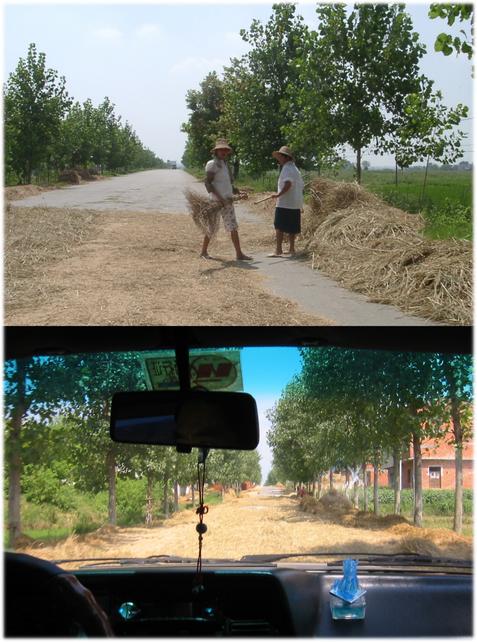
column 286, row 151
column 221, row 144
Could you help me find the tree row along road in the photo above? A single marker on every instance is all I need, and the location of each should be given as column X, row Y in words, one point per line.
column 135, row 260
column 257, row 523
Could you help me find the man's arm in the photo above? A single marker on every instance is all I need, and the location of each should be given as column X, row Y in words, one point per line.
column 284, row 189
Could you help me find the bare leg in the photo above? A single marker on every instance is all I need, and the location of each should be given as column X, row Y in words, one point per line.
column 205, row 246
column 279, row 242
column 292, row 243
column 236, row 241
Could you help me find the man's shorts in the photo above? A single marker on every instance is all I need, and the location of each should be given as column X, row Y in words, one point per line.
column 287, row 220
column 229, row 218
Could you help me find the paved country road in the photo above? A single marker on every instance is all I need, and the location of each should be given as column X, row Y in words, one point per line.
column 160, row 190
column 140, row 232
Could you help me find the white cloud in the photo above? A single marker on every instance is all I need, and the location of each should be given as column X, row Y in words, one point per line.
column 193, row 63
column 108, row 33
column 147, row 30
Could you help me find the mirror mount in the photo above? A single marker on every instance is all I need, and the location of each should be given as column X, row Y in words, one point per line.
column 181, row 448
column 183, row 363
column 203, row 452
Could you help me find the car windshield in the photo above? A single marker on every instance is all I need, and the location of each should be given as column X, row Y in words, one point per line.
column 361, row 452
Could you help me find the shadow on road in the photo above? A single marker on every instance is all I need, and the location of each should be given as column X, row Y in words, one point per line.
column 244, row 265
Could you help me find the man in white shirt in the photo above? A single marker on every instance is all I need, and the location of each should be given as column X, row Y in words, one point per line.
column 218, row 183
column 290, row 200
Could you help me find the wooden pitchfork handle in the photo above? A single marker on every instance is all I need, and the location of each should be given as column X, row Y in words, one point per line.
column 267, row 198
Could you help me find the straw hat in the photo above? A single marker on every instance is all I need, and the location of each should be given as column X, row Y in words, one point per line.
column 286, row 151
column 221, row 144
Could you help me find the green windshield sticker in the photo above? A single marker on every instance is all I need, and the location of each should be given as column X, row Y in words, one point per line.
column 212, row 370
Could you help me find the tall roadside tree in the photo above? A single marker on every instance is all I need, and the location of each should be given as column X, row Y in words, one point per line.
column 36, row 100
column 426, row 129
column 454, row 379
column 256, row 86
column 34, row 390
column 398, row 389
column 202, row 128
column 358, row 68
column 77, row 140
column 297, row 445
column 96, row 378
column 230, row 468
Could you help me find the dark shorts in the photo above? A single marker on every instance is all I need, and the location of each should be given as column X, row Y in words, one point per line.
column 288, row 221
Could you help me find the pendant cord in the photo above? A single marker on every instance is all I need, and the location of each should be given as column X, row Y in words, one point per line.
column 202, row 510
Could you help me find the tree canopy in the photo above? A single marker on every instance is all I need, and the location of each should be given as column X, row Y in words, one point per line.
column 45, row 128
column 353, row 79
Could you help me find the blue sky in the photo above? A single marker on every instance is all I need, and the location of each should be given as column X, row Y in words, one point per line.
column 265, row 372
column 145, row 57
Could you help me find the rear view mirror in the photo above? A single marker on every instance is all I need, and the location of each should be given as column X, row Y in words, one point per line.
column 186, row 419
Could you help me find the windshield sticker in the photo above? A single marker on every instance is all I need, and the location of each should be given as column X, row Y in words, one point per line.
column 212, row 370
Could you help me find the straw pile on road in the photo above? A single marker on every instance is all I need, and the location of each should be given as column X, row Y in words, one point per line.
column 379, row 250
column 204, row 212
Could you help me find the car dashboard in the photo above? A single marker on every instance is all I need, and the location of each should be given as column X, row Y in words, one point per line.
column 277, row 602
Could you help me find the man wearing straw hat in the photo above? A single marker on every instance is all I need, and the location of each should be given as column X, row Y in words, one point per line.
column 290, row 200
column 218, row 183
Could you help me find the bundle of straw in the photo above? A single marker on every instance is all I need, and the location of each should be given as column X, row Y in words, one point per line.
column 204, row 212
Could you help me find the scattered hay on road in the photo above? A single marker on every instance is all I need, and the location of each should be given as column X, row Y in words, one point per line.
column 75, row 267
column 36, row 237
column 270, row 525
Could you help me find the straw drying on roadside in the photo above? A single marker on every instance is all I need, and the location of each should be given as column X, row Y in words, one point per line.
column 380, row 251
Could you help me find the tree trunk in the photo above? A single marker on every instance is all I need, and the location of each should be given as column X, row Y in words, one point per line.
column 459, row 503
column 320, row 481
column 458, row 447
column 358, row 166
column 365, row 488
column 347, row 489
column 331, row 479
column 15, row 457
column 459, row 476
column 193, row 495
column 165, row 501
column 376, row 488
column 111, row 471
column 149, row 500
column 416, row 444
column 397, row 481
column 424, row 183
column 27, row 172
column 396, row 173
column 176, row 496
column 236, row 168
column 355, row 495
column 14, row 495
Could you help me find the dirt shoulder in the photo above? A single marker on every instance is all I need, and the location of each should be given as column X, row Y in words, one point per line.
column 17, row 192
column 254, row 524
column 81, row 267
